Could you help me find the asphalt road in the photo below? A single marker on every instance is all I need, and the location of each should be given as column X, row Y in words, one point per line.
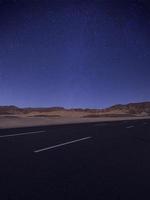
column 80, row 161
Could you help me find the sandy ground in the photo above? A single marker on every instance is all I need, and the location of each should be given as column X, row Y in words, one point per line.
column 21, row 121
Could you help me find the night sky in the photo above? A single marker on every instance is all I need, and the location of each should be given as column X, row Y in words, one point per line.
column 74, row 53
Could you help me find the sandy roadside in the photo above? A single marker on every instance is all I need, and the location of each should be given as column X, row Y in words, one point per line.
column 14, row 122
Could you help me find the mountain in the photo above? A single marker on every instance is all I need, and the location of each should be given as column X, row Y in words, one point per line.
column 4, row 110
column 131, row 109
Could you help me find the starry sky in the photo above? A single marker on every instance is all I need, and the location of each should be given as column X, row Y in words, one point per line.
column 89, row 54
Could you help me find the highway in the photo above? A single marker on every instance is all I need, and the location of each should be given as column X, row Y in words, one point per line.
column 102, row 160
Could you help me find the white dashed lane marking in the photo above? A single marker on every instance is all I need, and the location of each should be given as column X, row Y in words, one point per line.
column 20, row 134
column 62, row 144
column 130, row 127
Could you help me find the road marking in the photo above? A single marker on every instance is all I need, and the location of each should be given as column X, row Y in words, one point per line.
column 62, row 144
column 130, row 127
column 20, row 134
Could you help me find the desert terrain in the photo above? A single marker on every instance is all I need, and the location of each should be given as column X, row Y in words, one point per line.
column 12, row 116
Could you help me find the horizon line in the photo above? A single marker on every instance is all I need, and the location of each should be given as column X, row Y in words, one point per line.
column 69, row 108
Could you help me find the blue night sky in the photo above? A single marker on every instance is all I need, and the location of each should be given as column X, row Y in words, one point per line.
column 74, row 53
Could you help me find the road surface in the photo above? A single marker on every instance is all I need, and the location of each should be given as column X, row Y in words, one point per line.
column 102, row 160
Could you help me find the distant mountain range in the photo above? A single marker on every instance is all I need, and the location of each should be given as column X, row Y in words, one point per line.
column 142, row 108
column 132, row 108
column 4, row 110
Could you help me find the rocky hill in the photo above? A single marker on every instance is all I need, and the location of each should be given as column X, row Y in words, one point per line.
column 130, row 109
column 6, row 110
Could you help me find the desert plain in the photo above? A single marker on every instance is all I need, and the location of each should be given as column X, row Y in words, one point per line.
column 12, row 116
